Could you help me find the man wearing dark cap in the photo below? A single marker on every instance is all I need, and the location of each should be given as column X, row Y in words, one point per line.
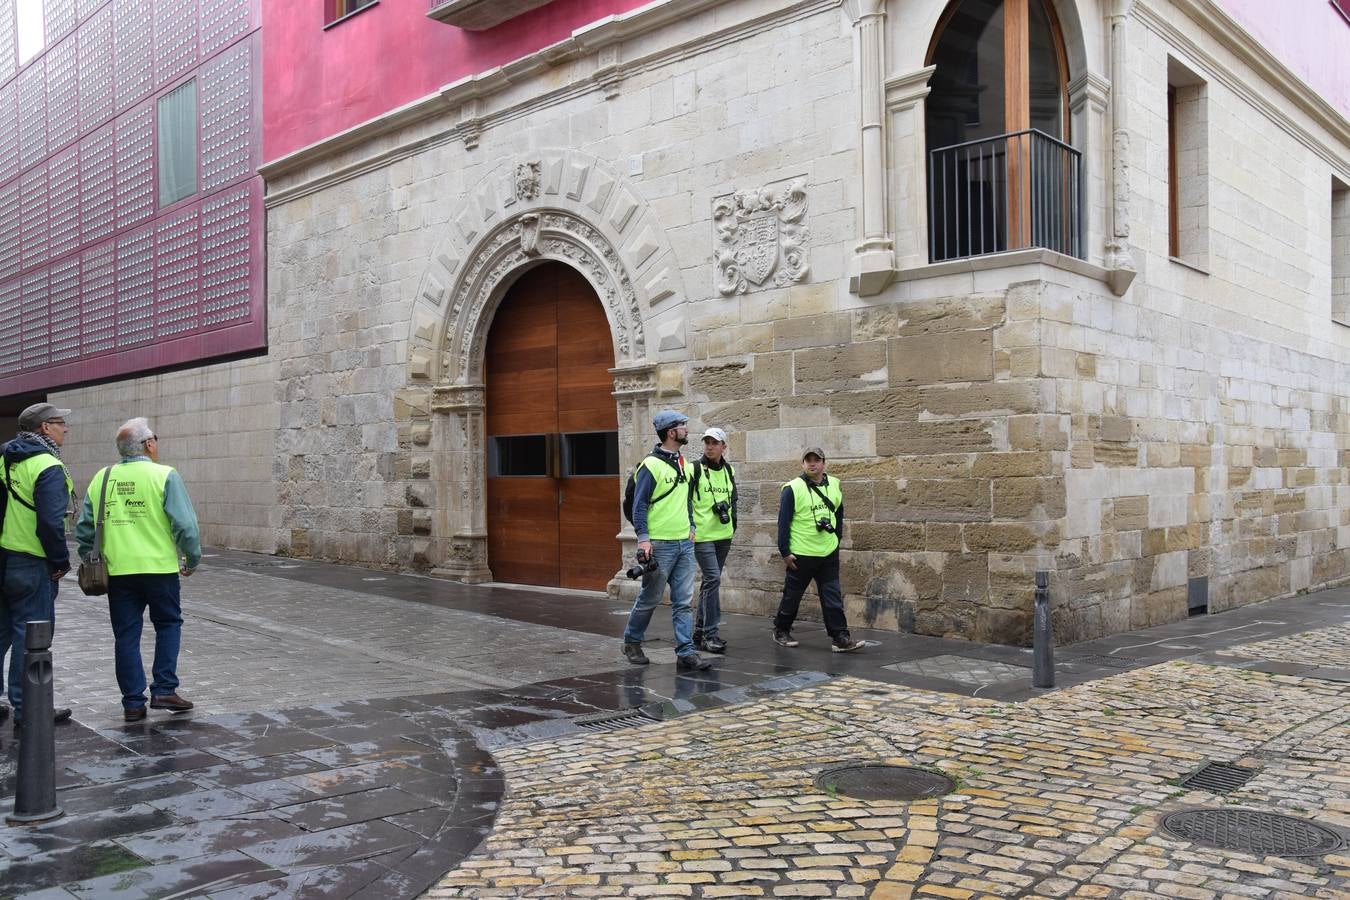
column 664, row 522
column 810, row 521
column 34, row 499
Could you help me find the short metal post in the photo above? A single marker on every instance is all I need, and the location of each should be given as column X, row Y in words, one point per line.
column 35, row 789
column 1043, row 638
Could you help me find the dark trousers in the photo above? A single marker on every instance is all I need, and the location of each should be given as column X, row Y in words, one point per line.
column 824, row 571
column 129, row 597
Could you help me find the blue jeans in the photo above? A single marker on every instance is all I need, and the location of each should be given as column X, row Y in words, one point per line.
column 675, row 560
column 128, row 598
column 28, row 594
column 712, row 559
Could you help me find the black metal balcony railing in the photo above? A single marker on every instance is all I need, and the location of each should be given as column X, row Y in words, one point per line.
column 1009, row 192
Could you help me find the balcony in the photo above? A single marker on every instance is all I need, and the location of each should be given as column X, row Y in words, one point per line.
column 1011, row 192
column 479, row 15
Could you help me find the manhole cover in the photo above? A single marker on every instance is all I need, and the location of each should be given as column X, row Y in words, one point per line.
column 881, row 782
column 1218, row 778
column 1252, row 831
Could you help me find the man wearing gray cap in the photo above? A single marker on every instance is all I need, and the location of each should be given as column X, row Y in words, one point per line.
column 664, row 522
column 34, row 500
column 810, row 521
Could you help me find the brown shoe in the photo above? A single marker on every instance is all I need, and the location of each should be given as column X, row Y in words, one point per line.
column 171, row 702
column 134, row 715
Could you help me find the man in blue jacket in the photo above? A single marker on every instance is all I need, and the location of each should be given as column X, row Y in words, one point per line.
column 35, row 492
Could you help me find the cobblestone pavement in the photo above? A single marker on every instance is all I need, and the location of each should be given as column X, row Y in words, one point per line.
column 1059, row 796
column 1326, row 647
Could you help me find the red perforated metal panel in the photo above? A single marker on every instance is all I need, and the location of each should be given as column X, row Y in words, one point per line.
column 36, row 314
column 59, row 18
column 227, row 115
column 11, row 336
column 135, row 166
column 63, row 186
column 133, row 51
column 8, row 61
column 10, row 229
column 226, row 256
column 175, row 39
column 98, row 187
column 177, row 269
column 33, row 215
column 33, row 113
column 65, row 306
column 96, row 69
column 136, row 287
column 224, row 22
column 98, row 299
column 63, row 108
column 9, row 131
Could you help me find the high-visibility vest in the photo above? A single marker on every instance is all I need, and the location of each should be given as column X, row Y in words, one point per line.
column 20, row 529
column 137, row 536
column 805, row 539
column 667, row 520
column 712, row 486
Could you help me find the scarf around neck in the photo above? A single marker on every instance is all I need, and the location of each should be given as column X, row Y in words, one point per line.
column 42, row 439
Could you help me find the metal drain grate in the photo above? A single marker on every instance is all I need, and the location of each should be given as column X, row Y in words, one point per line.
column 882, row 782
column 1252, row 831
column 616, row 720
column 1111, row 662
column 1218, row 778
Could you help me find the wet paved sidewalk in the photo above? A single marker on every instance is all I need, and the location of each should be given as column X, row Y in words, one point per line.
column 345, row 720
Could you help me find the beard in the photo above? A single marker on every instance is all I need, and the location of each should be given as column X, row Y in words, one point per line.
column 682, row 440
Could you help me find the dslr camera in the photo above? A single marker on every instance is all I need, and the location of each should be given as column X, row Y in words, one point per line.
column 823, row 524
column 646, row 565
column 723, row 510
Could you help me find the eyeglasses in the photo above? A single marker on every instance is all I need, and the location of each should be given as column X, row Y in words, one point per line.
column 61, row 422
column 151, row 438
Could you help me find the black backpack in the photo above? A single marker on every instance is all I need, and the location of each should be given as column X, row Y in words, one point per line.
column 632, row 486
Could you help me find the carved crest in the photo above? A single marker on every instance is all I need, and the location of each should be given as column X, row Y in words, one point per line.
column 528, row 177
column 760, row 234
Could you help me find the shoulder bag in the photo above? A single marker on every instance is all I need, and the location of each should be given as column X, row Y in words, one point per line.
column 93, row 572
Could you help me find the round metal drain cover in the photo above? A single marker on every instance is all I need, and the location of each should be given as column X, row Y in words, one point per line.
column 881, row 782
column 1252, row 831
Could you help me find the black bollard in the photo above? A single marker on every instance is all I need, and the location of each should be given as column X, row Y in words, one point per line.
column 35, row 789
column 1042, row 637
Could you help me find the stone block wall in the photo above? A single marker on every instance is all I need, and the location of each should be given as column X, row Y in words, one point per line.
column 217, row 426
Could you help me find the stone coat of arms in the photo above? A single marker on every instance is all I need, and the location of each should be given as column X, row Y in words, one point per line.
column 761, row 238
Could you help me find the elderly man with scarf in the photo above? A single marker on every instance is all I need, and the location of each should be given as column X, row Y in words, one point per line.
column 34, row 501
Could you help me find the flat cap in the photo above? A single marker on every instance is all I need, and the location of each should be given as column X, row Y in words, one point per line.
column 668, row 418
column 33, row 417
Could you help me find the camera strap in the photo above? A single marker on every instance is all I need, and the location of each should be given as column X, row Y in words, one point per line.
column 816, row 490
column 679, row 477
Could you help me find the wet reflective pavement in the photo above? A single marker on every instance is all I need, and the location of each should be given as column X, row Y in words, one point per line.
column 379, row 797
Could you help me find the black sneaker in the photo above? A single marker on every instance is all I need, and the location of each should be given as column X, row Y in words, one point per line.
column 4, row 713
column 632, row 651
column 712, row 645
column 698, row 639
column 691, row 662
column 783, row 638
column 844, row 643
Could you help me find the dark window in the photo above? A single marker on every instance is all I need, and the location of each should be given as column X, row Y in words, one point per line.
column 177, row 144
column 591, row 453
column 340, row 9
column 521, row 455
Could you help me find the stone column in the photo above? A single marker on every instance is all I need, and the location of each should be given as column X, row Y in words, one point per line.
column 463, row 471
column 1089, row 97
column 1118, row 259
column 634, row 388
column 909, row 164
column 873, row 264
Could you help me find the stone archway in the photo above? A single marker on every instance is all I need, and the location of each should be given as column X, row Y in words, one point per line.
column 562, row 206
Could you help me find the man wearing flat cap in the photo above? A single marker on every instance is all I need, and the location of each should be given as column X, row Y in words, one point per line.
column 664, row 522
column 34, row 500
column 810, row 521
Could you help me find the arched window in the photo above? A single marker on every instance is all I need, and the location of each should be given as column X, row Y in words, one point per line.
column 1001, row 173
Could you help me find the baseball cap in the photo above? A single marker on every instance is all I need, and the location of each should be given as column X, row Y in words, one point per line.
column 33, row 417
column 716, row 434
column 668, row 418
column 813, row 451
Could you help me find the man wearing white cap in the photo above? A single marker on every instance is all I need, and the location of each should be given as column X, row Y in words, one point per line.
column 34, row 499
column 712, row 489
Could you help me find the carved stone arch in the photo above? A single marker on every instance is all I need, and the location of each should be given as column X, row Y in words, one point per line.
column 559, row 205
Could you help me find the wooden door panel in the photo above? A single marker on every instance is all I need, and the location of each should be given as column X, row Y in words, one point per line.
column 588, row 553
column 522, row 524
column 521, row 361
column 585, row 355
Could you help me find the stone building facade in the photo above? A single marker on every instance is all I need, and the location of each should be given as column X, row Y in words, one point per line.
column 1157, row 414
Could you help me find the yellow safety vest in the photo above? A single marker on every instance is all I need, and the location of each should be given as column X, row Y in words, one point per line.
column 714, row 486
column 804, row 539
column 137, row 536
column 20, row 529
column 667, row 519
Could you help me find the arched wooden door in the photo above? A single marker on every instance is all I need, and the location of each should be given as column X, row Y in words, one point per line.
column 552, row 429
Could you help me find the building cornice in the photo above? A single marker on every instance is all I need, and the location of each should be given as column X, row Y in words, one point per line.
column 1229, row 33
column 467, row 94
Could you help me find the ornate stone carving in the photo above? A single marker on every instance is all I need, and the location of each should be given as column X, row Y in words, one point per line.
column 760, row 235
column 529, row 234
column 529, row 177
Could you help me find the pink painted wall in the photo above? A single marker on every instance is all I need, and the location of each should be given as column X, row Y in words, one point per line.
column 1309, row 36
column 319, row 82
